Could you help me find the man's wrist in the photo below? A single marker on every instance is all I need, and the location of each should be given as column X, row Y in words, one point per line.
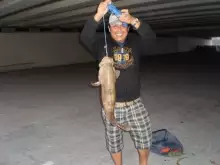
column 135, row 22
column 132, row 20
column 97, row 17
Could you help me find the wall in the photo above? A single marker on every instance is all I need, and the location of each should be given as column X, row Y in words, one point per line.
column 188, row 43
column 165, row 46
column 179, row 44
column 26, row 50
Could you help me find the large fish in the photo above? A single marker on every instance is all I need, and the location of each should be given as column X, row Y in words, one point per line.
column 106, row 79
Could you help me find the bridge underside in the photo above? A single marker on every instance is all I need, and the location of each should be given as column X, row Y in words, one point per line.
column 198, row 18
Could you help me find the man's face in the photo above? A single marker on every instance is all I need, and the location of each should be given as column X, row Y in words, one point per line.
column 119, row 32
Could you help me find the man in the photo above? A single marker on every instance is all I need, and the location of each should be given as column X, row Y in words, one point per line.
column 126, row 52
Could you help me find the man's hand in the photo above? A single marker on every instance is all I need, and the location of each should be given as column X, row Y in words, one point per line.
column 127, row 18
column 102, row 10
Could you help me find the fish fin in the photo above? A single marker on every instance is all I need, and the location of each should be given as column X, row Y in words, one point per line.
column 117, row 73
column 96, row 83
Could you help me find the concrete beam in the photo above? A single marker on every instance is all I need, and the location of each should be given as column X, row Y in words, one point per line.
column 78, row 12
column 63, row 22
column 152, row 21
column 7, row 7
column 182, row 15
column 186, row 3
column 161, row 21
column 59, row 7
column 34, row 30
column 58, row 16
column 120, row 4
column 188, row 29
column 75, row 25
column 73, row 19
column 179, row 11
column 186, row 22
column 8, row 30
column 87, row 11
column 162, row 25
column 170, row 23
column 56, row 7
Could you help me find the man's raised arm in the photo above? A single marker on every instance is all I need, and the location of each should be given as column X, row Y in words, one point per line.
column 88, row 36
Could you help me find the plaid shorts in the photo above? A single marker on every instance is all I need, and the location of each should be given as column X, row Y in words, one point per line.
column 137, row 117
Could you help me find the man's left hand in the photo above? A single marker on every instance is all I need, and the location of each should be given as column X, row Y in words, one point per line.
column 126, row 17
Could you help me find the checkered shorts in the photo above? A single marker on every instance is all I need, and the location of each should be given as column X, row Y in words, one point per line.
column 137, row 117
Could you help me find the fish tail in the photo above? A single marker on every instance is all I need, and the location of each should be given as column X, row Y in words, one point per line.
column 123, row 127
column 110, row 116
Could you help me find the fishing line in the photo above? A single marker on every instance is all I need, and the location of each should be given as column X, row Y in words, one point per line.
column 106, row 47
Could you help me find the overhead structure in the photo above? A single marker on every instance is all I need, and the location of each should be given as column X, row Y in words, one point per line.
column 167, row 17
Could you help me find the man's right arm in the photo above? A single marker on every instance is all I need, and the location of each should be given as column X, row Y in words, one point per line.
column 89, row 38
column 88, row 35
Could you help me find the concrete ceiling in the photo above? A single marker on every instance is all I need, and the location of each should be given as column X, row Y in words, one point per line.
column 167, row 17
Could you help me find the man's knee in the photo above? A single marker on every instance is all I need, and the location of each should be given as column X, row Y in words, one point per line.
column 115, row 151
column 143, row 152
column 113, row 145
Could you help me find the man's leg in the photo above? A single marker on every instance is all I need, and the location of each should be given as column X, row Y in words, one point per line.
column 117, row 158
column 143, row 156
column 141, row 130
column 114, row 139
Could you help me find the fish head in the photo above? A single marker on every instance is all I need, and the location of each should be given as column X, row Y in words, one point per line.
column 106, row 61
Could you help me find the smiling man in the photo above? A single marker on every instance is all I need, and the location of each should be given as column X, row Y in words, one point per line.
column 118, row 30
column 126, row 51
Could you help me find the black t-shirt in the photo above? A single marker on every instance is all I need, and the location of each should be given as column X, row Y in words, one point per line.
column 126, row 56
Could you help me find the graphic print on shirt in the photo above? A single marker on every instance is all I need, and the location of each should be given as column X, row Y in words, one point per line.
column 123, row 57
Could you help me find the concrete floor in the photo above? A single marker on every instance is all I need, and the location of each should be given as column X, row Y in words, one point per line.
column 44, row 122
